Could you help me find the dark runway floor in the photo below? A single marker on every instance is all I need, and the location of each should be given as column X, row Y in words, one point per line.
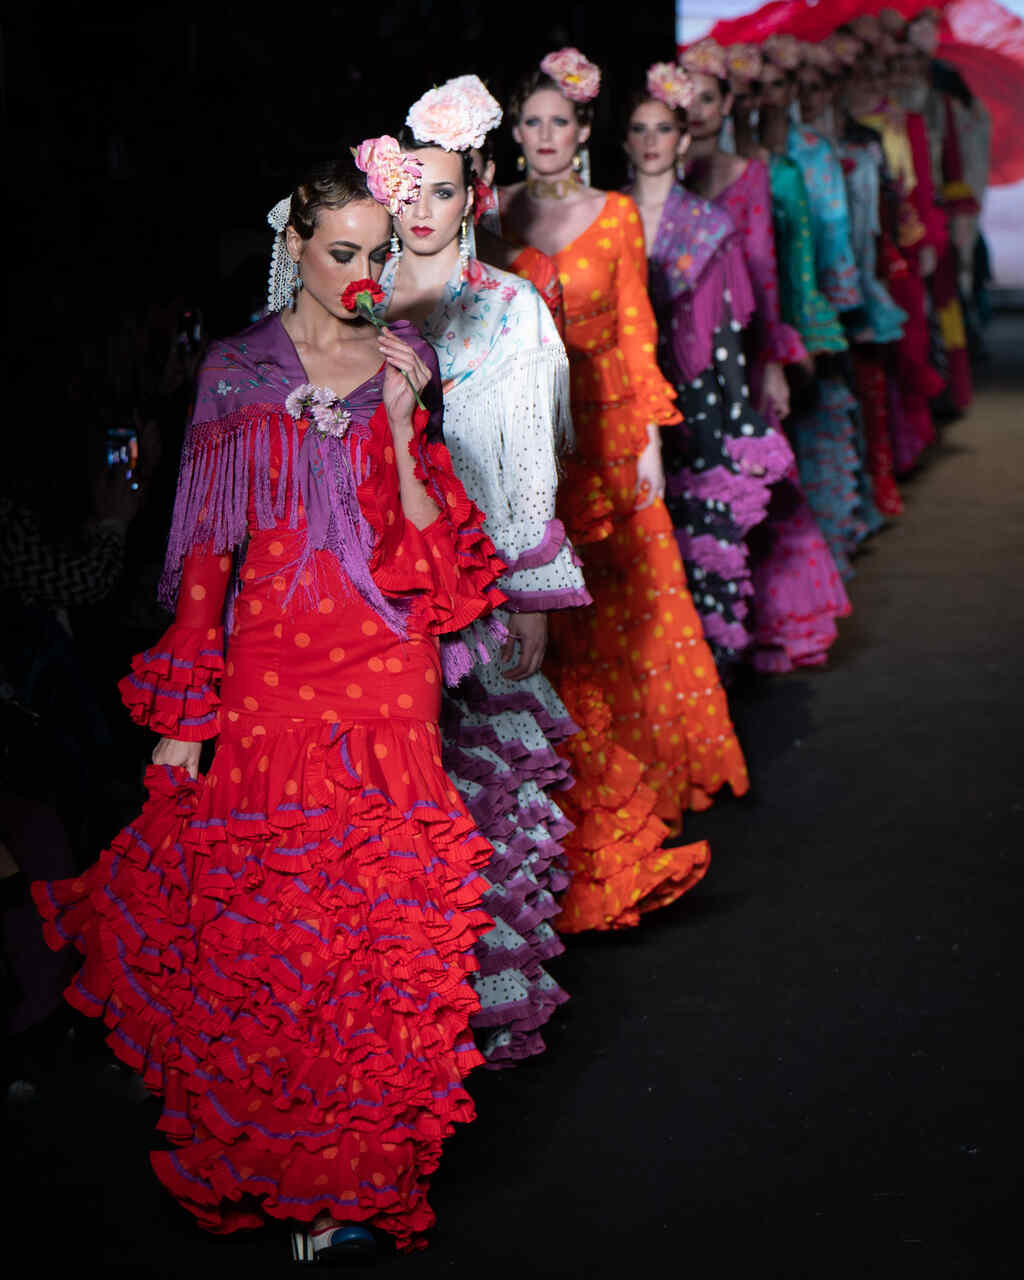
column 805, row 1068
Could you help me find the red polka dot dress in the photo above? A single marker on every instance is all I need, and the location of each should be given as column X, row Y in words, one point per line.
column 282, row 947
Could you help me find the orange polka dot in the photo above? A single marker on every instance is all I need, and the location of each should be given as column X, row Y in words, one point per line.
column 290, row 787
column 236, row 775
column 413, row 735
column 354, row 691
column 329, row 715
column 263, row 764
column 404, row 701
column 301, row 639
column 336, row 655
column 197, row 592
column 232, row 716
column 380, row 750
column 270, row 678
column 276, row 548
column 375, row 664
column 421, row 566
column 247, row 743
column 255, row 606
column 250, row 704
column 385, row 710
column 258, row 730
column 389, row 516
column 389, row 454
column 307, row 693
column 394, row 665
column 279, row 583
column 430, row 675
column 249, row 574
column 326, row 605
column 230, row 668
column 370, row 628
column 306, row 578
column 224, row 564
column 278, row 630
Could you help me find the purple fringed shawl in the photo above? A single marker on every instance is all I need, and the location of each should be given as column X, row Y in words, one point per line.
column 698, row 279
column 240, row 401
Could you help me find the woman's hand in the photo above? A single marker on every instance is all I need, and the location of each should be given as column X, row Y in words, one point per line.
column 179, row 755
column 402, row 360
column 775, row 392
column 650, row 474
column 531, row 631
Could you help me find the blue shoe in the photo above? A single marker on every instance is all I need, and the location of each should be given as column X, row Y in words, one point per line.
column 347, row 1242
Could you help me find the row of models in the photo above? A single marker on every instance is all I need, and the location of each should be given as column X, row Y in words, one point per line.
column 472, row 530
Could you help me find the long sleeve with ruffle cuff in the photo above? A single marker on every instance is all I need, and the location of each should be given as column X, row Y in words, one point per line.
column 450, row 567
column 545, row 576
column 173, row 686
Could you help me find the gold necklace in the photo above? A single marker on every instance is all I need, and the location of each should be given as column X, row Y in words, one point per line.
column 561, row 189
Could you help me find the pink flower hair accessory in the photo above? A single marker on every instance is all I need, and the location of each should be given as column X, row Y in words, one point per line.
column 705, row 58
column 392, row 175
column 846, row 47
column 783, row 50
column 670, row 84
column 744, row 63
column 576, row 76
column 457, row 115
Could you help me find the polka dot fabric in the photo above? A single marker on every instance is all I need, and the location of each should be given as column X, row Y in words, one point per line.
column 640, row 646
column 283, row 948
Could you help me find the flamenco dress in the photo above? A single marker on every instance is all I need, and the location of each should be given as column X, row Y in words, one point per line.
column 873, row 342
column 798, row 594
column 506, row 390
column 634, row 668
column 723, row 459
column 283, row 947
column 828, row 434
column 909, row 223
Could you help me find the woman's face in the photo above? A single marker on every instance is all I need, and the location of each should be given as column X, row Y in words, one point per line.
column 434, row 220
column 813, row 93
column 775, row 88
column 708, row 109
column 654, row 139
column 866, row 86
column 347, row 244
column 549, row 133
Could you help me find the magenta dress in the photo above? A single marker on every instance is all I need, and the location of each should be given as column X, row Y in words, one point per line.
column 798, row 593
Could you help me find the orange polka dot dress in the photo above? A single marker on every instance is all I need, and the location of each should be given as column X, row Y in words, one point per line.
column 641, row 642
column 282, row 947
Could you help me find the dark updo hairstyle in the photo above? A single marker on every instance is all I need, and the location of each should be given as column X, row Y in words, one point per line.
column 331, row 184
column 532, row 83
column 408, row 141
column 640, row 96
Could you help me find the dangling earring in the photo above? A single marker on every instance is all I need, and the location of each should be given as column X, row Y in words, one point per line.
column 296, row 283
column 577, row 163
column 463, row 248
column 395, row 245
column 521, row 164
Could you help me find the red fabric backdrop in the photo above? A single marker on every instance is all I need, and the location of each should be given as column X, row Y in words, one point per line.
column 984, row 41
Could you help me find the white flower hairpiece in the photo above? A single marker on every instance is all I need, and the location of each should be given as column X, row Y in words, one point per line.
column 456, row 115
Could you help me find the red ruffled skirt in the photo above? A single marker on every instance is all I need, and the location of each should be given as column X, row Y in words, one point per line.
column 282, row 950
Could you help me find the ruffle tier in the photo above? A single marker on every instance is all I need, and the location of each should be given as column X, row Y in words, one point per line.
column 797, row 588
column 618, row 865
column 283, row 950
column 832, row 473
column 172, row 687
column 499, row 741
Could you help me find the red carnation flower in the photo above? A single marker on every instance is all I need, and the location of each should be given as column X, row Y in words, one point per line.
column 365, row 292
